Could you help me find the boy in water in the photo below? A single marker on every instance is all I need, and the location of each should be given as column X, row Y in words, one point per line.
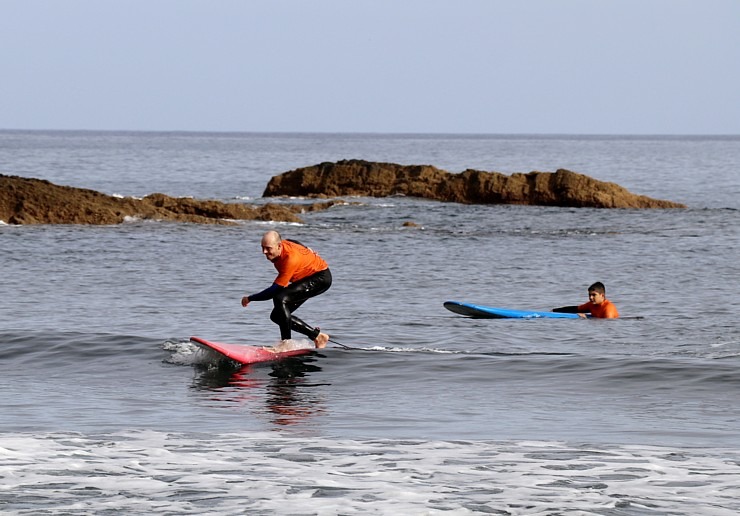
column 598, row 305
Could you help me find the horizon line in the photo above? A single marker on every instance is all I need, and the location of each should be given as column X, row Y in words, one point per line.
column 373, row 133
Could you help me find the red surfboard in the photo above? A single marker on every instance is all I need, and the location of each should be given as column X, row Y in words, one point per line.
column 245, row 354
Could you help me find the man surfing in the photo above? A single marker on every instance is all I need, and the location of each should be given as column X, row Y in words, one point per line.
column 302, row 274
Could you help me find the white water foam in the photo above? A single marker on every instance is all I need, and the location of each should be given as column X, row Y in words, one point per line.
column 156, row 472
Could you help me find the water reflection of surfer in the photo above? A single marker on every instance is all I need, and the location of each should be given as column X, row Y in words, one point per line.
column 287, row 394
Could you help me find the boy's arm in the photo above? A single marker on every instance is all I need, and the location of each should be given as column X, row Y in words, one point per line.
column 566, row 309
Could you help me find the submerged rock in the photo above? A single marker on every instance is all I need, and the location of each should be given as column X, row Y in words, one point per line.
column 372, row 179
column 35, row 201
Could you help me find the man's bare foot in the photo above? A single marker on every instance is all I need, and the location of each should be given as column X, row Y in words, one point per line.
column 283, row 345
column 321, row 340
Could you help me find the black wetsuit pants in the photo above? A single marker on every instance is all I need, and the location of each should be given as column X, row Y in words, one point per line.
column 294, row 295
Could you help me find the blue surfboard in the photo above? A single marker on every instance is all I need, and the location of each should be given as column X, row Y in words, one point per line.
column 492, row 312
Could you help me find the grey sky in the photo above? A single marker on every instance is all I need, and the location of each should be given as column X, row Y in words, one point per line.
column 428, row 66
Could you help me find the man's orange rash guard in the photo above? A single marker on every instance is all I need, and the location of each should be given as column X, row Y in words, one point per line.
column 297, row 262
column 606, row 310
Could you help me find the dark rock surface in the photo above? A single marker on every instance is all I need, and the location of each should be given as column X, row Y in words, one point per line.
column 35, row 201
column 372, row 179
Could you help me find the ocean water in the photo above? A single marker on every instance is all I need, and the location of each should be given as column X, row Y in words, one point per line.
column 107, row 407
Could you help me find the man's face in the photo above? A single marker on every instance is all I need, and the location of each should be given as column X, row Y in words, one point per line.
column 271, row 249
column 595, row 297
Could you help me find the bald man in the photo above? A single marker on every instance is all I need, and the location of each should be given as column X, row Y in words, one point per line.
column 302, row 274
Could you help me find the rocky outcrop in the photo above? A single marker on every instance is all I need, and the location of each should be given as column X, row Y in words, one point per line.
column 35, row 201
column 372, row 179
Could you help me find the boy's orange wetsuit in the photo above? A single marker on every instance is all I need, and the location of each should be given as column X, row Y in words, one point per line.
column 302, row 274
column 605, row 310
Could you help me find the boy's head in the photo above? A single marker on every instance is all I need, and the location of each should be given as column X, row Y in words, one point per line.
column 597, row 293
